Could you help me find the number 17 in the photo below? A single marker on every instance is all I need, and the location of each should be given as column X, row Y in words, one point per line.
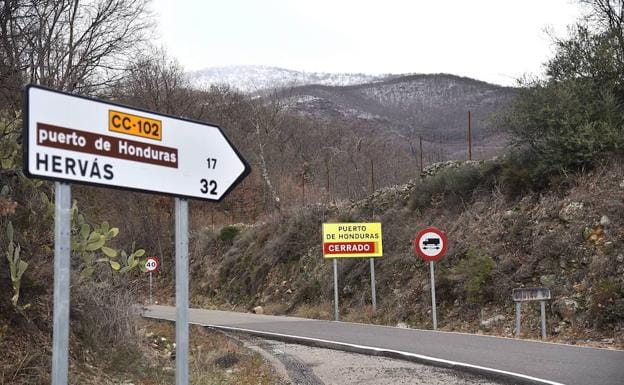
column 212, row 163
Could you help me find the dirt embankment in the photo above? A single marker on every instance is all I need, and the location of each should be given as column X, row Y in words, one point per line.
column 570, row 239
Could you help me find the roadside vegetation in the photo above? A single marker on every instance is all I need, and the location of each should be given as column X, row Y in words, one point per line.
column 548, row 212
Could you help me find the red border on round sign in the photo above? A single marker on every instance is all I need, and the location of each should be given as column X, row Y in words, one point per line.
column 154, row 258
column 437, row 231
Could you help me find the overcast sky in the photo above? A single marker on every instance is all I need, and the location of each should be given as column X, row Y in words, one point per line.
column 492, row 40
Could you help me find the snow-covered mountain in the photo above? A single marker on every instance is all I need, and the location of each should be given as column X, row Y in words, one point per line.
column 251, row 79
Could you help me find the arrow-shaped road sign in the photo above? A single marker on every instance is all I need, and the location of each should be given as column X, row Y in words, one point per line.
column 82, row 140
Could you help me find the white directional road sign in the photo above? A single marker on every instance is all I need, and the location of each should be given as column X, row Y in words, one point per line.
column 81, row 140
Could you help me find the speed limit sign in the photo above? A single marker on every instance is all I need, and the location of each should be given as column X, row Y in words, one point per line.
column 152, row 264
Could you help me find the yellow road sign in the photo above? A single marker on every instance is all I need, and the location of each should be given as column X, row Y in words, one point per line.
column 352, row 240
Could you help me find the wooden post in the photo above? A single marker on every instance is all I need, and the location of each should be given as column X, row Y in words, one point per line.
column 469, row 136
column 328, row 187
column 303, row 186
column 421, row 156
column 372, row 176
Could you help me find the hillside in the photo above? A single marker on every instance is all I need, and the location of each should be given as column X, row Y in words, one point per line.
column 251, row 79
column 432, row 106
column 568, row 239
column 396, row 108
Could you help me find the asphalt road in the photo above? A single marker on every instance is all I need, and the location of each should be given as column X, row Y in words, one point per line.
column 553, row 363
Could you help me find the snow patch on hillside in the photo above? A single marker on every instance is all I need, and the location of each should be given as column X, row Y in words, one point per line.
column 251, row 79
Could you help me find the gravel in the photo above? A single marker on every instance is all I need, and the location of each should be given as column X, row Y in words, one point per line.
column 306, row 365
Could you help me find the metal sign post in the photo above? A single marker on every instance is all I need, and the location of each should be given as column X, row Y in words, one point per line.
column 336, row 313
column 518, row 320
column 150, row 289
column 541, row 294
column 62, row 251
column 431, row 244
column 433, row 297
column 182, row 289
column 373, row 292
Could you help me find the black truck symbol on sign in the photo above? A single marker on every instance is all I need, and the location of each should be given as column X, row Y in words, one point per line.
column 431, row 243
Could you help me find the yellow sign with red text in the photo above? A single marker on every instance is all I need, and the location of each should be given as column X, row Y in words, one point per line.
column 352, row 240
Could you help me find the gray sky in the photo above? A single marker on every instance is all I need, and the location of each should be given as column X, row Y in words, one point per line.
column 492, row 40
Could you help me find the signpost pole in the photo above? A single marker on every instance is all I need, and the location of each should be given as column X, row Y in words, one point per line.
column 150, row 279
column 182, row 287
column 518, row 319
column 62, row 248
column 336, row 314
column 433, row 299
column 543, row 316
column 373, row 292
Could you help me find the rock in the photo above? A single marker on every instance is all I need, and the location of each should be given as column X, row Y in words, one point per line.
column 402, row 325
column 620, row 258
column 495, row 320
column 258, row 310
column 605, row 221
column 549, row 280
column 622, row 184
column 566, row 308
column 560, row 327
column 571, row 211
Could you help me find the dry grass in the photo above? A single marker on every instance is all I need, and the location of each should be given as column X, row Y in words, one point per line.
column 323, row 310
column 215, row 359
column 527, row 242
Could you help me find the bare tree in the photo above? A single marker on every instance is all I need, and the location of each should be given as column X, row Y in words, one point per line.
column 157, row 82
column 72, row 45
column 266, row 119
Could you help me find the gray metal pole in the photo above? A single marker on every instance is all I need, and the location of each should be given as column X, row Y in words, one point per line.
column 182, row 291
column 150, row 273
column 62, row 250
column 543, row 316
column 373, row 292
column 336, row 313
column 433, row 299
column 518, row 319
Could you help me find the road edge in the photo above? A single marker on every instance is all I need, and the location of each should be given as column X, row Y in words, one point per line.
column 491, row 373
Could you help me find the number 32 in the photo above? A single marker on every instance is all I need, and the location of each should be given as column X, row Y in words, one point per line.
column 208, row 186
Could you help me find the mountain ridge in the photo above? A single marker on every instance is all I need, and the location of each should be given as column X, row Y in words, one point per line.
column 257, row 78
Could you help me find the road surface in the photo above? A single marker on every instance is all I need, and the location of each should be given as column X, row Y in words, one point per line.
column 519, row 361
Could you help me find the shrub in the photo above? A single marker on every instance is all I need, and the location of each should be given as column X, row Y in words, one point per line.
column 473, row 275
column 608, row 303
column 228, row 233
column 453, row 186
column 105, row 316
column 574, row 117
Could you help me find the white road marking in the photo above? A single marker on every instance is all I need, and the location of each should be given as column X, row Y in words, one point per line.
column 380, row 350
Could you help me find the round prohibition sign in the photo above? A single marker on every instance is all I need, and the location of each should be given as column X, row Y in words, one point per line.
column 152, row 264
column 431, row 244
